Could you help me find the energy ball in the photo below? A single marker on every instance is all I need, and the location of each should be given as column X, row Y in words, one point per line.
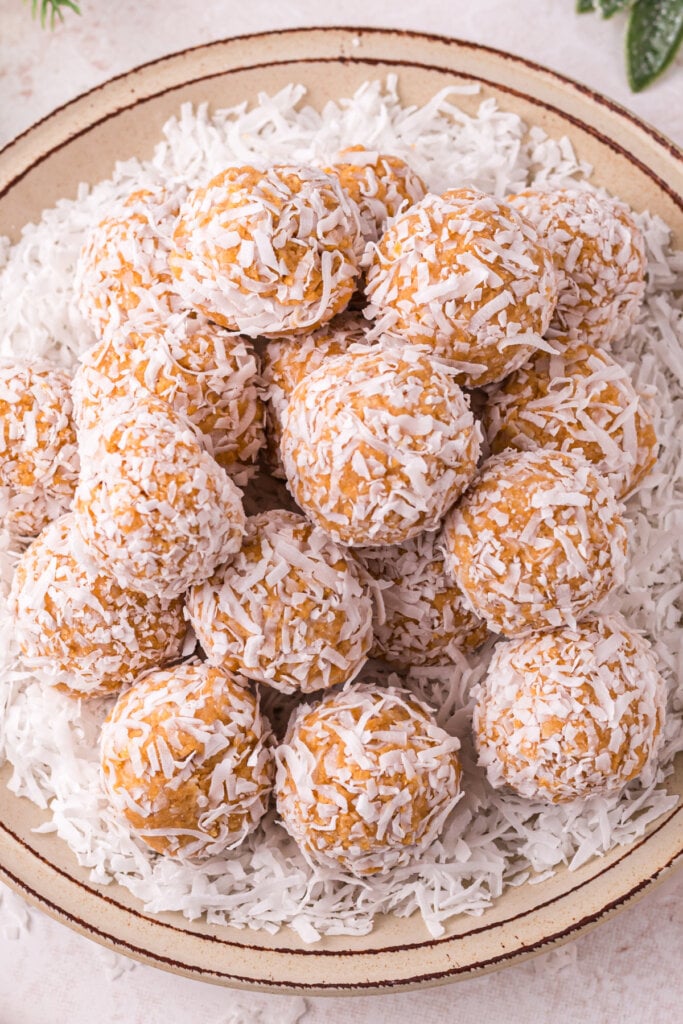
column 77, row 627
column 421, row 616
column 123, row 264
column 209, row 378
column 287, row 361
column 287, row 610
column 365, row 779
column 377, row 444
column 569, row 713
column 186, row 760
column 381, row 185
column 39, row 461
column 578, row 399
column 268, row 252
column 599, row 255
column 153, row 508
column 537, row 542
column 468, row 277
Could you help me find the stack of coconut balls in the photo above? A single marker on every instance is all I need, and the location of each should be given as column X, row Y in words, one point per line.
column 337, row 325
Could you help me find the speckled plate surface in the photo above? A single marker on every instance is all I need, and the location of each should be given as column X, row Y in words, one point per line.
column 123, row 118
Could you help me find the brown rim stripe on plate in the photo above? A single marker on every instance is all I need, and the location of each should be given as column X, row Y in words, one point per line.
column 426, row 943
column 361, row 30
column 481, row 965
column 372, row 62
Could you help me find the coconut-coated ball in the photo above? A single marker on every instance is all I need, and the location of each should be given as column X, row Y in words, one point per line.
column 537, row 542
column 570, row 713
column 287, row 609
column 578, row 399
column 365, row 779
column 39, row 461
column 378, row 443
column 382, row 185
column 186, row 760
column 268, row 252
column 207, row 376
column 421, row 616
column 467, row 277
column 77, row 627
column 154, row 508
column 599, row 256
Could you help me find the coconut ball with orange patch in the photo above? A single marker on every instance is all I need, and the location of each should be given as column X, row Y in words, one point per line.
column 77, row 627
column 570, row 713
column 365, row 779
column 123, row 265
column 537, row 542
column 378, row 443
column 154, row 508
column 287, row 609
column 186, row 760
column 421, row 616
column 286, row 361
column 599, row 255
column 268, row 252
column 467, row 277
column 578, row 399
column 380, row 184
column 208, row 377
column 39, row 461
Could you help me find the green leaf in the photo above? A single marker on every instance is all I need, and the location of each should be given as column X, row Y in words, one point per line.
column 608, row 8
column 53, row 8
column 584, row 6
column 655, row 32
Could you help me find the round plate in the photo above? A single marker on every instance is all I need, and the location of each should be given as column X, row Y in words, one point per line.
column 123, row 118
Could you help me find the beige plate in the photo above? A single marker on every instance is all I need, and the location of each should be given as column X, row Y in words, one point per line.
column 123, row 118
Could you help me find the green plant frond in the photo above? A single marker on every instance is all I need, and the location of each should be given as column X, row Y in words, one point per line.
column 52, row 9
column 608, row 8
column 654, row 37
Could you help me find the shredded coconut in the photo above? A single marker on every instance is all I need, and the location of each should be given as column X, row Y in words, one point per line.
column 378, row 443
column 152, row 507
column 288, row 609
column 537, row 541
column 492, row 839
column 466, row 277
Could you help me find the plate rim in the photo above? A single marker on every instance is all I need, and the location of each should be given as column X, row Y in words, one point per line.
column 673, row 151
column 585, row 90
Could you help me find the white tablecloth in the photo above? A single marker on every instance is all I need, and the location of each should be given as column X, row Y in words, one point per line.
column 627, row 969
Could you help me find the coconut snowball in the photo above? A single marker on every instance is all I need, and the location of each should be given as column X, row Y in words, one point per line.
column 268, row 252
column 377, row 444
column 123, row 265
column 468, row 277
column 209, row 378
column 578, row 399
column 38, row 455
column 381, row 185
column 287, row 610
column 186, row 760
column 421, row 616
column 153, row 508
column 569, row 713
column 537, row 542
column 365, row 779
column 599, row 254
column 286, row 361
column 77, row 627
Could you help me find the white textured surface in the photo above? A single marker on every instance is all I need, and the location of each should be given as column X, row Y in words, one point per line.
column 628, row 969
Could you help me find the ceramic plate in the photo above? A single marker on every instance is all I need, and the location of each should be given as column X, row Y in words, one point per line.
column 123, row 118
